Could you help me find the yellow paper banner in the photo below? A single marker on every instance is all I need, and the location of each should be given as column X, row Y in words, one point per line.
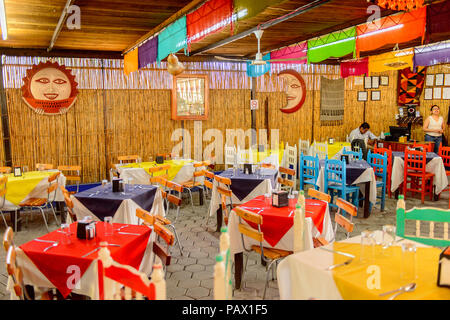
column 395, row 60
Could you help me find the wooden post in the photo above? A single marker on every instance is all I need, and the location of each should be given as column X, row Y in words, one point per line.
column 253, row 113
column 5, row 121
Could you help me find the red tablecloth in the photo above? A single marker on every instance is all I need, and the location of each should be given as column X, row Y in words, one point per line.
column 55, row 262
column 278, row 221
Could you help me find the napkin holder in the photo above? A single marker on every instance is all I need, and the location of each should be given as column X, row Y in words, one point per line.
column 443, row 279
column 117, row 186
column 248, row 168
column 81, row 229
column 159, row 159
column 280, row 199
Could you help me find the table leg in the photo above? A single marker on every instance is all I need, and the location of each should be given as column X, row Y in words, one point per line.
column 366, row 200
column 200, row 195
column 219, row 219
column 15, row 217
column 238, row 268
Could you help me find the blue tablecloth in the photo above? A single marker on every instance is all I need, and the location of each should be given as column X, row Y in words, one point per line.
column 354, row 169
column 103, row 202
column 242, row 184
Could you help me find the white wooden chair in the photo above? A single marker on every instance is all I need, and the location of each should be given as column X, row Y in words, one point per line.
column 230, row 156
column 291, row 161
column 303, row 146
column 123, row 282
column 321, row 149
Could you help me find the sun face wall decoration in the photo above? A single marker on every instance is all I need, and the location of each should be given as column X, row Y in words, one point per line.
column 49, row 88
column 295, row 92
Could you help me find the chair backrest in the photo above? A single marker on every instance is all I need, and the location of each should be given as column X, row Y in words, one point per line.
column 223, row 180
column 303, row 146
column 383, row 151
column 230, row 155
column 334, row 172
column 309, row 168
column 320, row 149
column 74, row 173
column 444, row 153
column 247, row 231
column 284, row 179
column 379, row 163
column 5, row 170
column 123, row 282
column 8, row 238
column 435, row 222
column 353, row 155
column 319, row 195
column 15, row 272
column 291, row 156
column 359, row 145
column 69, row 205
column 415, row 161
column 128, row 159
column 208, row 184
column 427, row 146
column 156, row 173
column 44, row 166
column 341, row 220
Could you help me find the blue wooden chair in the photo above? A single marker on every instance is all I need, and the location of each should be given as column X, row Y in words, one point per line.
column 353, row 155
column 379, row 164
column 433, row 233
column 308, row 171
column 335, row 178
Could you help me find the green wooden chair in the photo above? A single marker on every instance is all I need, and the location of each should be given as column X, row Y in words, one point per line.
column 421, row 216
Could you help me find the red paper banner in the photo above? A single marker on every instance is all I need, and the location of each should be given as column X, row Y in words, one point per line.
column 355, row 68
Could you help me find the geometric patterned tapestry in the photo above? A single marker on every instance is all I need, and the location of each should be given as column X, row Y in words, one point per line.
column 410, row 85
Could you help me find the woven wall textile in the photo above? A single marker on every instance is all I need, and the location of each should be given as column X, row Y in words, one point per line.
column 395, row 60
column 296, row 51
column 172, row 38
column 336, row 44
column 148, row 52
column 130, row 62
column 410, row 85
column 332, row 93
column 354, row 68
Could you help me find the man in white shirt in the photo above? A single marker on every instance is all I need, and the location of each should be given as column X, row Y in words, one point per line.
column 362, row 133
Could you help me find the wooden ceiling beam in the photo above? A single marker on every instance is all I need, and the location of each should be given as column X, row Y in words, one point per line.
column 60, row 25
column 185, row 10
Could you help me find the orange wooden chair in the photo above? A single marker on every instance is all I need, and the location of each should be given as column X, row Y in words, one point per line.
column 44, row 166
column 128, row 159
column 8, row 238
column 195, row 181
column 427, row 146
column 225, row 193
column 415, row 174
column 444, row 153
column 155, row 177
column 5, row 170
column 284, row 181
column 72, row 173
column 382, row 151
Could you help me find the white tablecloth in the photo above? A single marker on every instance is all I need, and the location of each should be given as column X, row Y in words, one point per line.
column 435, row 165
column 302, row 276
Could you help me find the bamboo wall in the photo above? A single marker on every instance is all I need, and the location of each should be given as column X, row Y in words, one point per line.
column 115, row 115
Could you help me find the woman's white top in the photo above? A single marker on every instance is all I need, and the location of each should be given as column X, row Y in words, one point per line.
column 436, row 125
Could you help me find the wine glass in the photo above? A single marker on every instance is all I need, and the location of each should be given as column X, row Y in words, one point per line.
column 104, row 184
column 24, row 171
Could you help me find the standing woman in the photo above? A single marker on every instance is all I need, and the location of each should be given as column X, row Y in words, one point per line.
column 434, row 127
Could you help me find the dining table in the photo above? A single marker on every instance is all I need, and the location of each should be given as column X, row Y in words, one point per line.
column 307, row 276
column 101, row 201
column 71, row 267
column 277, row 227
column 358, row 172
column 434, row 164
column 335, row 149
column 244, row 187
column 31, row 184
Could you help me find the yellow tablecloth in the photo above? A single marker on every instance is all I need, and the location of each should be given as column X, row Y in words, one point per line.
column 334, row 148
column 19, row 187
column 351, row 280
column 261, row 156
column 175, row 166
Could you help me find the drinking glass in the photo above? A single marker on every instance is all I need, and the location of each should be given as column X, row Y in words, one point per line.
column 104, row 185
column 291, row 201
column 367, row 246
column 108, row 225
column 388, row 236
column 409, row 262
column 267, row 199
column 24, row 170
column 129, row 185
column 65, row 230
column 295, row 194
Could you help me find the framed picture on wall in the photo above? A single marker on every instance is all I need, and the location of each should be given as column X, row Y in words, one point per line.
column 440, row 79
column 367, row 82
column 362, row 95
column 446, row 93
column 375, row 82
column 428, row 95
column 359, row 81
column 376, row 95
column 447, row 79
column 384, row 80
column 437, row 93
column 190, row 97
column 429, row 81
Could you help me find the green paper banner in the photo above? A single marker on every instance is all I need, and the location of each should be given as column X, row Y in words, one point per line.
column 172, row 39
column 336, row 44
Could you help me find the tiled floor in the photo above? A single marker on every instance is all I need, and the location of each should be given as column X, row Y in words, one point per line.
column 191, row 276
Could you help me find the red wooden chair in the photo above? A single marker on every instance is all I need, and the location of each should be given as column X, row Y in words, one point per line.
column 429, row 147
column 444, row 153
column 382, row 151
column 415, row 174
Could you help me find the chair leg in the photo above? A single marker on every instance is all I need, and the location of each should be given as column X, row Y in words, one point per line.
column 4, row 220
column 54, row 213
column 176, row 238
column 192, row 201
column 45, row 220
column 267, row 277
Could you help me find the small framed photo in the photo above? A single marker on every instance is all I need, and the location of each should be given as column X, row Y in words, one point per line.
column 440, row 79
column 428, row 94
column 429, row 81
column 384, row 80
column 359, row 81
column 437, row 93
column 17, row 171
column 375, row 82
column 446, row 93
column 362, row 95
column 367, row 82
column 376, row 95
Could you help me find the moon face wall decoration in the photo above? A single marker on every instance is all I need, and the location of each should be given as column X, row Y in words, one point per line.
column 295, row 92
column 49, row 88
